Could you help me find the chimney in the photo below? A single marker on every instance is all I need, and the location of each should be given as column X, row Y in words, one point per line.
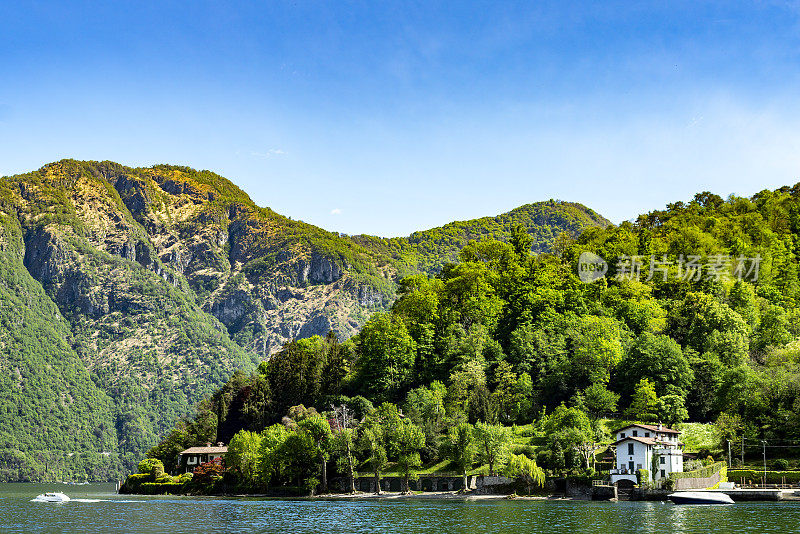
column 219, row 444
column 659, row 425
column 208, row 443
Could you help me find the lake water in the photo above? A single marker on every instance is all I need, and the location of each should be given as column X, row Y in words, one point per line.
column 101, row 510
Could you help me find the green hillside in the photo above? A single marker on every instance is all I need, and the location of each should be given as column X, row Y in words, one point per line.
column 429, row 250
column 128, row 295
column 696, row 321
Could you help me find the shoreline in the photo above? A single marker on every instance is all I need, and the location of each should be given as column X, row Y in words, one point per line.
column 390, row 495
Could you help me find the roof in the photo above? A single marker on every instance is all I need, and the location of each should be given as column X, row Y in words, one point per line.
column 652, row 428
column 205, row 450
column 646, row 441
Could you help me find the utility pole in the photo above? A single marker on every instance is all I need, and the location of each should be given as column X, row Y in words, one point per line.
column 764, row 448
column 742, row 452
column 730, row 461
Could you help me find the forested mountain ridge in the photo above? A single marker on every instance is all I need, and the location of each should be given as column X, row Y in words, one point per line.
column 128, row 295
column 428, row 251
column 696, row 320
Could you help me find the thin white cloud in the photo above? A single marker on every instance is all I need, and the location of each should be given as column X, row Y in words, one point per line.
column 336, row 211
column 271, row 153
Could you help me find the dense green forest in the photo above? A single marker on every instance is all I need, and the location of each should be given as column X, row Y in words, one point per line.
column 128, row 295
column 696, row 320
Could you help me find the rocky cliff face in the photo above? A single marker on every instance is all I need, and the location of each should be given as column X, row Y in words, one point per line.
column 170, row 278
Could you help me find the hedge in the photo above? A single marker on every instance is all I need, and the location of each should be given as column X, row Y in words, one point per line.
column 157, row 488
column 703, row 472
column 773, row 477
column 139, row 477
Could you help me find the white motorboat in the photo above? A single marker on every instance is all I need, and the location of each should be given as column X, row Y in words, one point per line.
column 51, row 497
column 700, row 497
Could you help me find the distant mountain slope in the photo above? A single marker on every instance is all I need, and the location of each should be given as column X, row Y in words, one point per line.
column 127, row 295
column 429, row 250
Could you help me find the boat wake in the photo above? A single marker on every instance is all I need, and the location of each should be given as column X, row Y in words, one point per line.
column 101, row 500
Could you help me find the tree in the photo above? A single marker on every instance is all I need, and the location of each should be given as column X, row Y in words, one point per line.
column 492, row 442
column 520, row 466
column 568, row 431
column 319, row 430
column 243, row 454
column 464, row 382
column 521, row 241
column 510, row 392
column 707, row 325
column 408, row 439
column 271, row 461
column 295, row 373
column 425, row 407
column 730, row 427
column 386, row 355
column 461, row 447
column 566, row 418
column 371, row 441
column 587, row 450
column 596, row 347
column 343, row 441
column 209, row 473
column 659, row 359
column 168, row 450
column 597, row 400
column 256, row 408
column 644, row 404
column 672, row 410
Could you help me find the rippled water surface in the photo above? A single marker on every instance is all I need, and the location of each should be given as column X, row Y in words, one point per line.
column 98, row 509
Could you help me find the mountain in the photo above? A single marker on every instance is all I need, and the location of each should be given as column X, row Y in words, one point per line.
column 427, row 251
column 127, row 295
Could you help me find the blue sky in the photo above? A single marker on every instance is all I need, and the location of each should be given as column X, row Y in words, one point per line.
column 385, row 118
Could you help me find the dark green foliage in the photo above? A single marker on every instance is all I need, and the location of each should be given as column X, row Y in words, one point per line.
column 489, row 332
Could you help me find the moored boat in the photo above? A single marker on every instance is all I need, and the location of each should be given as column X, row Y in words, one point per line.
column 51, row 497
column 700, row 497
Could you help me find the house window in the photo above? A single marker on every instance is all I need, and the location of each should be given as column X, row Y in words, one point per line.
column 630, row 448
column 662, row 460
column 647, row 434
column 635, row 433
column 622, row 435
column 662, row 474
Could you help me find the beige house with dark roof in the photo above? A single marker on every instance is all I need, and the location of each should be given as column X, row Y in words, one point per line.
column 194, row 456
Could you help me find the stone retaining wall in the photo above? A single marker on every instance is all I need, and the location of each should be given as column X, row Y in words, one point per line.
column 683, row 484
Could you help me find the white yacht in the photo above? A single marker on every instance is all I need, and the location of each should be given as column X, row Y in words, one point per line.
column 700, row 497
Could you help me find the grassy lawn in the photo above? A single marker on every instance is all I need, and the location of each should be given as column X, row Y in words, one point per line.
column 697, row 436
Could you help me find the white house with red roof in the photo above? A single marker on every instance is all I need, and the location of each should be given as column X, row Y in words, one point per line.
column 654, row 448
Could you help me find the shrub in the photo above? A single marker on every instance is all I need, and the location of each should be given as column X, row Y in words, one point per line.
column 781, row 464
column 152, row 466
column 155, row 488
